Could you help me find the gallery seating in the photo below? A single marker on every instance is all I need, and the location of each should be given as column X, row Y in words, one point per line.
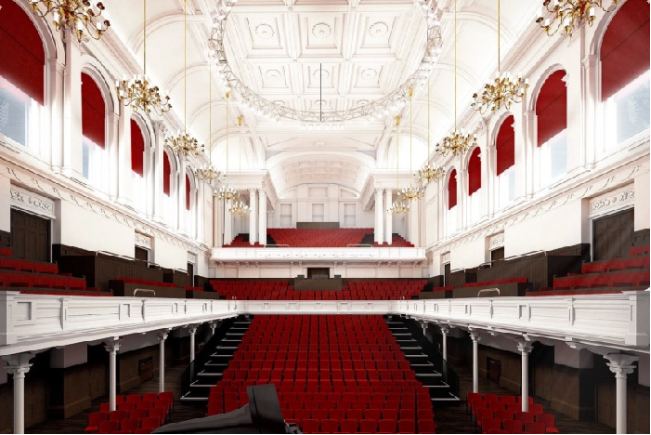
column 136, row 413
column 495, row 413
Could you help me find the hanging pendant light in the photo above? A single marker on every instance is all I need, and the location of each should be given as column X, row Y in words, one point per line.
column 183, row 142
column 75, row 15
column 569, row 12
column 503, row 91
column 457, row 142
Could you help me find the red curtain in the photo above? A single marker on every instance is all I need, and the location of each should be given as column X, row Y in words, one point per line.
column 551, row 107
column 505, row 145
column 625, row 47
column 93, row 111
column 137, row 148
column 167, row 173
column 474, row 171
column 21, row 51
column 452, row 189
column 187, row 192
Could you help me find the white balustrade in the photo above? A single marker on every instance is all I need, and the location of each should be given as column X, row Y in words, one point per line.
column 318, row 254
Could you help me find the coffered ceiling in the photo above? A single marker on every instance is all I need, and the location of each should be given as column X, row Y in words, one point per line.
column 317, row 55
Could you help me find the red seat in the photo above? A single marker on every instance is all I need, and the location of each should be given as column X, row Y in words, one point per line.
column 426, row 426
column 130, row 424
column 150, row 422
column 513, row 426
column 310, row 426
column 406, row 426
column 349, row 426
column 490, row 423
column 117, row 415
column 109, row 426
column 534, row 427
column 368, row 426
column 330, row 426
column 524, row 417
column 387, row 426
column 94, row 419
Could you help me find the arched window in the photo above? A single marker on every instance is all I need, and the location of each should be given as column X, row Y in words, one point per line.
column 93, row 130
column 167, row 174
column 551, row 113
column 138, row 181
column 188, row 192
column 22, row 78
column 505, row 150
column 474, row 186
column 625, row 72
column 452, row 190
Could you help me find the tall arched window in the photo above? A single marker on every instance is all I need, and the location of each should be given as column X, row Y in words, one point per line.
column 167, row 174
column 138, row 184
column 474, row 185
column 188, row 192
column 22, row 78
column 93, row 130
column 451, row 215
column 551, row 114
column 505, row 150
column 625, row 73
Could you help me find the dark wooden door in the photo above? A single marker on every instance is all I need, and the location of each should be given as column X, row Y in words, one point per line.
column 142, row 253
column 318, row 272
column 191, row 273
column 497, row 254
column 612, row 235
column 30, row 236
column 446, row 274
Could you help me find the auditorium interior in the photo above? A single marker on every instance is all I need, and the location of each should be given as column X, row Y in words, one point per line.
column 401, row 216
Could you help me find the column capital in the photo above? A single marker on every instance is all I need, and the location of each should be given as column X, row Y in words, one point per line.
column 621, row 364
column 524, row 346
column 474, row 335
column 18, row 365
column 162, row 334
column 445, row 328
column 112, row 344
column 192, row 328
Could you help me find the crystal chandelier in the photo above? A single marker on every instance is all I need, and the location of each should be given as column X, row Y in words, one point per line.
column 567, row 12
column 239, row 208
column 502, row 91
column 137, row 92
column 457, row 142
column 398, row 207
column 76, row 15
column 428, row 173
column 209, row 175
column 412, row 191
column 183, row 143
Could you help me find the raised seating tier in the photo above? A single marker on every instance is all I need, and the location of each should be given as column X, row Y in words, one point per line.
column 397, row 241
column 353, row 290
column 318, row 238
column 135, row 413
column 333, row 374
column 503, row 414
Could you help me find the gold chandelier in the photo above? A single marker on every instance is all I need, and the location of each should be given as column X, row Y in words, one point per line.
column 502, row 91
column 226, row 192
column 458, row 142
column 567, row 12
column 428, row 173
column 398, row 207
column 238, row 207
column 209, row 175
column 137, row 92
column 183, row 143
column 76, row 15
column 412, row 191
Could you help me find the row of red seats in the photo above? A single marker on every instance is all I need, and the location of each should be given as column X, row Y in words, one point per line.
column 17, row 279
column 638, row 262
column 345, row 376
column 146, row 282
column 287, row 363
column 496, row 413
column 520, row 279
column 136, row 413
column 28, row 266
column 396, row 242
column 6, row 252
column 239, row 242
column 317, row 238
column 638, row 250
column 367, row 426
column 619, row 279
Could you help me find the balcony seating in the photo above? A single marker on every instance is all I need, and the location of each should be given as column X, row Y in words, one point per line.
column 494, row 413
column 146, row 282
column 353, row 290
column 318, row 238
column 333, row 374
column 241, row 241
column 396, row 242
column 136, row 414
column 520, row 279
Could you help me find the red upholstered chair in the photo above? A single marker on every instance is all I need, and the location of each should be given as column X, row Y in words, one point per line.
column 320, row 414
column 504, row 414
column 524, row 417
column 534, row 427
column 310, row 426
column 490, row 423
column 150, row 396
column 482, row 413
column 372, row 414
column 109, row 426
column 349, row 426
column 536, row 409
column 368, row 426
column 94, row 419
column 150, row 422
column 129, row 424
column 387, row 426
column 134, row 398
column 330, row 426
column 406, row 426
column 548, row 420
column 513, row 426
column 117, row 415
column 426, row 426
column 157, row 412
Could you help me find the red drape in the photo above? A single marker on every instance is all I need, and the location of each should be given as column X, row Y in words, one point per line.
column 167, row 172
column 187, row 192
column 93, row 111
column 625, row 47
column 137, row 148
column 551, row 107
column 505, row 145
column 474, row 171
column 452, row 189
column 22, row 56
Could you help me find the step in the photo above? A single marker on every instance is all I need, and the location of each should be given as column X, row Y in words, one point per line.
column 235, row 334
column 434, row 375
column 188, row 397
column 225, row 355
column 212, row 364
column 402, row 334
column 203, row 373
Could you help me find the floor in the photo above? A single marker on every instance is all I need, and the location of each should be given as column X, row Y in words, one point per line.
column 456, row 420
column 77, row 423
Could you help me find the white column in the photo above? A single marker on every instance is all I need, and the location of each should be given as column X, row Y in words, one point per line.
column 17, row 366
column 123, row 170
column 192, row 330
column 253, row 216
column 622, row 365
column 52, row 147
column 112, row 346
column 444, row 334
column 149, row 168
column 262, row 222
column 72, row 134
column 388, row 221
column 228, row 223
column 199, row 210
column 525, row 147
column 379, row 216
column 590, row 82
column 525, row 349
column 213, row 326
column 462, row 196
column 475, row 337
column 162, row 335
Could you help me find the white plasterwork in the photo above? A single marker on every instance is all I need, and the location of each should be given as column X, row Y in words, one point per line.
column 32, row 202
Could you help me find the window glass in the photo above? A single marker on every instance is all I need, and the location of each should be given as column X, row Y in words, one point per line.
column 14, row 113
column 627, row 111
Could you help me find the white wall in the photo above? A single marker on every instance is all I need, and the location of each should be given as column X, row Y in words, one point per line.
column 468, row 255
column 643, row 370
column 169, row 255
column 373, row 270
column 69, row 356
column 642, row 195
column 84, row 229
column 5, row 207
column 578, row 359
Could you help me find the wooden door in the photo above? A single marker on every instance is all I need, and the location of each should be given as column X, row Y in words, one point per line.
column 612, row 235
column 30, row 236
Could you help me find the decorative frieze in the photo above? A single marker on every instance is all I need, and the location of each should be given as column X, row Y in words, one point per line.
column 143, row 240
column 612, row 201
column 496, row 241
column 32, row 202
